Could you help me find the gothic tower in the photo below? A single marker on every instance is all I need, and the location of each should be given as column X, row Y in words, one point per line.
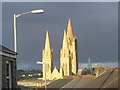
column 65, row 62
column 72, row 45
column 47, row 58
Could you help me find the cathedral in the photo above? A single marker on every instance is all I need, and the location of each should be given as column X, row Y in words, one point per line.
column 68, row 56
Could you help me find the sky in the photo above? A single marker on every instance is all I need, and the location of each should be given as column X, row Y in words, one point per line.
column 95, row 25
column 60, row 1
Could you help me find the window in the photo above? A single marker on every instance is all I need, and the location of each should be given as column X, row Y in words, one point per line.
column 9, row 74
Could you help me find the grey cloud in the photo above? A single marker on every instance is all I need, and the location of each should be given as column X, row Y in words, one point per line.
column 108, row 64
column 94, row 24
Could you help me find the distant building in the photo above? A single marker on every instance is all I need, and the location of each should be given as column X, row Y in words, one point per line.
column 7, row 68
column 68, row 56
column 101, row 70
column 89, row 65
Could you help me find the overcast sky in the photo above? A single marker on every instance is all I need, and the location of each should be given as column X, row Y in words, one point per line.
column 94, row 24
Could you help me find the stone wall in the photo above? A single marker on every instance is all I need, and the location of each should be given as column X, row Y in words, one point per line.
column 32, row 83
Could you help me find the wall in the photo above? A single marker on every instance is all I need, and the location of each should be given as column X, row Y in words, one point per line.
column 4, row 72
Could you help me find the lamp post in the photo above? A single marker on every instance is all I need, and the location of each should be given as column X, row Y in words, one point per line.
column 15, row 22
column 38, row 62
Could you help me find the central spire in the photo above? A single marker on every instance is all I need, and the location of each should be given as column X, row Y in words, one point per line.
column 47, row 42
column 65, row 44
column 69, row 30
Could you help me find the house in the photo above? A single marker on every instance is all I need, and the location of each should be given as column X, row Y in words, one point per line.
column 7, row 68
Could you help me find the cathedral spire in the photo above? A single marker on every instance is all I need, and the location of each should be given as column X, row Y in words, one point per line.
column 47, row 42
column 65, row 43
column 89, row 66
column 69, row 30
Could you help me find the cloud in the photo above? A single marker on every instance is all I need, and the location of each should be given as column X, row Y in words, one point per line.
column 29, row 66
column 94, row 25
column 24, row 66
column 106, row 64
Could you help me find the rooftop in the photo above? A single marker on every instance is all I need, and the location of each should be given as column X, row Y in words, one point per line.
column 6, row 50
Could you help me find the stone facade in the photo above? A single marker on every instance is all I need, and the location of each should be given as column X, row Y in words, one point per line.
column 4, row 71
column 47, row 58
column 68, row 56
column 65, row 60
column 8, row 68
column 72, row 44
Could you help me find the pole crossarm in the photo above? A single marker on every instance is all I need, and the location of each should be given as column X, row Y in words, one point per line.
column 23, row 14
column 33, row 11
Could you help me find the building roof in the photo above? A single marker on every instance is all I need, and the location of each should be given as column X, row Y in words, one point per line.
column 6, row 50
column 58, row 83
column 109, row 79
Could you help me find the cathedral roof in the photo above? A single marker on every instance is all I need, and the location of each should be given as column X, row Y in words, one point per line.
column 55, row 70
column 47, row 42
column 70, row 33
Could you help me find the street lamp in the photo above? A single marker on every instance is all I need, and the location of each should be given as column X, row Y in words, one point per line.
column 15, row 28
column 38, row 62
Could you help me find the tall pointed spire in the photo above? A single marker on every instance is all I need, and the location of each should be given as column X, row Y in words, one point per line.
column 69, row 30
column 47, row 42
column 65, row 43
column 89, row 66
